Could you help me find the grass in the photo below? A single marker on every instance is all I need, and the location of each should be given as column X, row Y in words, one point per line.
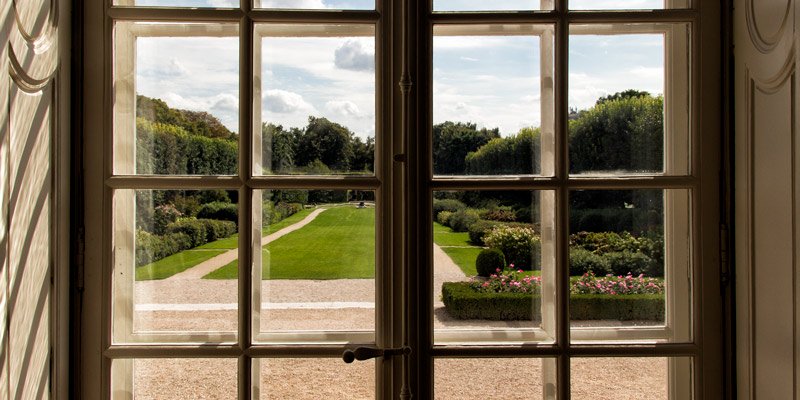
column 232, row 242
column 338, row 244
column 168, row 266
column 458, row 247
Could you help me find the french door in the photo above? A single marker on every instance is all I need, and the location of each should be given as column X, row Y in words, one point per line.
column 278, row 185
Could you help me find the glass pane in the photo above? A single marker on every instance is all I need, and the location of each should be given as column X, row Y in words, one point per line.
column 629, row 263
column 165, row 242
column 315, row 99
column 496, row 5
column 317, row 264
column 493, row 267
column 629, row 99
column 616, row 378
column 316, row 378
column 176, row 99
column 179, row 3
column 492, row 99
column 626, row 4
column 317, row 4
column 174, row 379
column 494, row 378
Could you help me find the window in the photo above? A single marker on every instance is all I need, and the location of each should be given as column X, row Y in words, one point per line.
column 273, row 198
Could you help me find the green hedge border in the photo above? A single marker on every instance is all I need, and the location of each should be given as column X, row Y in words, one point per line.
column 462, row 302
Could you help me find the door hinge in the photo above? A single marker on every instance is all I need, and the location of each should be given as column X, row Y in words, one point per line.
column 724, row 256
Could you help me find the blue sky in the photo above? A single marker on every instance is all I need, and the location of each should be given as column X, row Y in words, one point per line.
column 493, row 81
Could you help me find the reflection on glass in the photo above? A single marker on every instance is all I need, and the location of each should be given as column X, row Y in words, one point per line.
column 317, row 261
column 630, row 378
column 496, row 5
column 493, row 265
column 316, row 378
column 629, row 259
column 166, row 242
column 492, row 99
column 176, row 107
column 316, row 4
column 180, row 3
column 174, row 379
column 626, row 4
column 494, row 378
column 629, row 99
column 315, row 105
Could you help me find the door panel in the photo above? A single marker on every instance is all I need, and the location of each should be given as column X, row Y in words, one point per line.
column 766, row 181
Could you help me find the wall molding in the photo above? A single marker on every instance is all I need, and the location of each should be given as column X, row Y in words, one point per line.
column 759, row 40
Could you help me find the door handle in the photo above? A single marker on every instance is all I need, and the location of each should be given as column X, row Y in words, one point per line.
column 366, row 353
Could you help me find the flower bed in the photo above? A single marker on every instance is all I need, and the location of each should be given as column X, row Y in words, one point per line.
column 510, row 295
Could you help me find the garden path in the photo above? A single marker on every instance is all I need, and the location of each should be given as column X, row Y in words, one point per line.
column 212, row 264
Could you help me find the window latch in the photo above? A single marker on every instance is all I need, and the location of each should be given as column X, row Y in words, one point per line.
column 366, row 353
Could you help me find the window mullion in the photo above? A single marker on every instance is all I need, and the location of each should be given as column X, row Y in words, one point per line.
column 246, row 31
column 561, row 85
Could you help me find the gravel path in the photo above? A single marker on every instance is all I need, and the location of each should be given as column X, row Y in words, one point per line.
column 290, row 305
column 213, row 264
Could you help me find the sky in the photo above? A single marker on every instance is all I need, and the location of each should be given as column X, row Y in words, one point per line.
column 493, row 81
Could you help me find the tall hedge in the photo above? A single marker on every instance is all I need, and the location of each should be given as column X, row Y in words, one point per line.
column 164, row 149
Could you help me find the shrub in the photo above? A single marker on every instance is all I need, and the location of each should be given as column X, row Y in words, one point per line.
column 444, row 217
column 451, row 205
column 191, row 227
column 150, row 248
column 616, row 285
column 461, row 220
column 507, row 280
column 463, row 302
column 219, row 211
column 216, row 229
column 489, row 261
column 478, row 231
column 164, row 215
column 582, row 261
column 187, row 205
column 520, row 245
column 499, row 214
column 625, row 262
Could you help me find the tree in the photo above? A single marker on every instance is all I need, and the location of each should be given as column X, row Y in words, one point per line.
column 452, row 141
column 625, row 94
column 194, row 122
column 516, row 154
column 278, row 148
column 326, row 141
column 626, row 133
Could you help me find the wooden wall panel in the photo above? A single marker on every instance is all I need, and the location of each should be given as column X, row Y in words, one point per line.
column 766, row 199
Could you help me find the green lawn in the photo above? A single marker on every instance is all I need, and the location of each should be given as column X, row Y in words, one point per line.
column 168, row 266
column 458, row 247
column 338, row 244
column 233, row 241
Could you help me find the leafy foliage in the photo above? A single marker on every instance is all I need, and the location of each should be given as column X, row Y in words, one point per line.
column 452, row 141
column 489, row 261
column 520, row 245
column 516, row 154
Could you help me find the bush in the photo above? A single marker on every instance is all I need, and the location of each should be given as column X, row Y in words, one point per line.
column 582, row 261
column 478, row 231
column 461, row 220
column 499, row 214
column 444, row 217
column 187, row 205
column 624, row 262
column 451, row 205
column 463, row 302
column 216, row 229
column 489, row 261
column 150, row 248
column 219, row 211
column 520, row 245
column 164, row 215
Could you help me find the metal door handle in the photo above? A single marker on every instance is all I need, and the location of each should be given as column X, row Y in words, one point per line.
column 366, row 353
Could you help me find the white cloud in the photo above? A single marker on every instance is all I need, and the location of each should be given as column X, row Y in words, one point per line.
column 226, row 103
column 654, row 73
column 353, row 56
column 285, row 102
column 344, row 108
column 468, row 59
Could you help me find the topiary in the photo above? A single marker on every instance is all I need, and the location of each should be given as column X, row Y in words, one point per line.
column 461, row 220
column 489, row 261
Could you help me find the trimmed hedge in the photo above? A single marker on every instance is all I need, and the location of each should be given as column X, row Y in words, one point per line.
column 462, row 302
column 151, row 248
column 202, row 231
column 220, row 211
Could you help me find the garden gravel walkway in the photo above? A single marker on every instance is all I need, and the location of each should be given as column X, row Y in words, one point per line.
column 213, row 264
